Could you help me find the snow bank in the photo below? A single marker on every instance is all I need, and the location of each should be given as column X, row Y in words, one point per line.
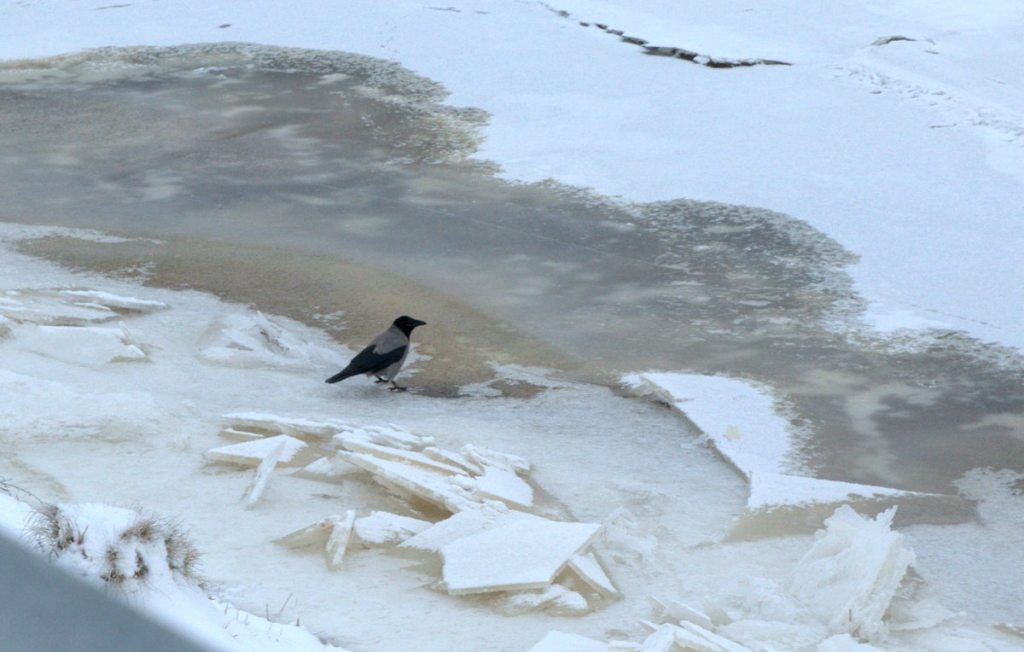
column 152, row 565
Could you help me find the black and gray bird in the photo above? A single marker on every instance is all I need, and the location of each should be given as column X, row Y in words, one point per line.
column 385, row 355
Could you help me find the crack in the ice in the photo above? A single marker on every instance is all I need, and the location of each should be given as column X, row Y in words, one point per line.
column 675, row 52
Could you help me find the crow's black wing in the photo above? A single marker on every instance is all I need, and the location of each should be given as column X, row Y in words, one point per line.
column 369, row 362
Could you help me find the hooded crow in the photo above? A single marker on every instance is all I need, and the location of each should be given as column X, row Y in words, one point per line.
column 384, row 356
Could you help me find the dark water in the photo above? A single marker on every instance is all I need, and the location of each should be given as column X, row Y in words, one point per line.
column 308, row 183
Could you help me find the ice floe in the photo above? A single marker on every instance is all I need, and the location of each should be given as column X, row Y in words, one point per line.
column 741, row 421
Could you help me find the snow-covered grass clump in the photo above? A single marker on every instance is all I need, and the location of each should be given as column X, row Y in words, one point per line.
column 122, row 547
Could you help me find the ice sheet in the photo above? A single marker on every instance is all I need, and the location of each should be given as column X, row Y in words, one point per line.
column 531, row 552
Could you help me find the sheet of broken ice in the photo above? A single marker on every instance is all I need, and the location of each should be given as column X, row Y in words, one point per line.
column 740, row 420
column 482, row 489
column 250, row 340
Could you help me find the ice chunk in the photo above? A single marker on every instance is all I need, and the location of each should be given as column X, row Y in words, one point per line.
column 248, row 340
column 677, row 611
column 432, row 486
column 270, row 424
column 240, row 435
column 503, row 484
column 557, row 600
column 772, row 490
column 263, row 471
column 589, row 569
column 251, row 453
column 737, row 416
column 310, row 535
column 392, row 436
column 462, row 525
column 407, row 457
column 327, row 469
column 662, row 639
column 90, row 346
column 114, row 301
column 455, row 459
column 851, row 573
column 692, row 636
column 562, row 642
column 531, row 550
column 387, row 529
column 337, row 543
column 487, row 457
column 71, row 307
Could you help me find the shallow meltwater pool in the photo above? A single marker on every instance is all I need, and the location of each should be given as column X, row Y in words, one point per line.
column 322, row 192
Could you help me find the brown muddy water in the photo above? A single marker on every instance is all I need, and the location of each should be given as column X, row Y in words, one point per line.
column 338, row 190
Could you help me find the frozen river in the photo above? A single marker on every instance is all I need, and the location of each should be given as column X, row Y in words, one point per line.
column 336, row 189
column 340, row 191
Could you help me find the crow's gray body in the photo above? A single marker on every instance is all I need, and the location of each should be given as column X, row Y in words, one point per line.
column 384, row 356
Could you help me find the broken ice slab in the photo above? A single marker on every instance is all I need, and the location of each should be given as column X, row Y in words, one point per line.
column 272, row 424
column 327, row 469
column 555, row 599
column 851, row 573
column 247, row 340
column 90, row 346
column 432, row 486
column 310, row 535
column 461, row 525
column 768, row 490
column 784, row 504
column 252, row 453
column 677, row 611
column 389, row 435
column 589, row 569
column 738, row 417
column 487, row 457
column 71, row 307
column 690, row 636
column 562, row 642
column 455, row 459
column 337, row 543
column 263, row 471
column 526, row 553
column 503, row 484
column 405, row 456
column 662, row 639
column 387, row 529
column 240, row 435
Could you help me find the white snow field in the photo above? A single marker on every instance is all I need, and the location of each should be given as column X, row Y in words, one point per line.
column 181, row 452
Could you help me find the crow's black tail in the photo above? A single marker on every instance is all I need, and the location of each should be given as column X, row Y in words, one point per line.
column 341, row 375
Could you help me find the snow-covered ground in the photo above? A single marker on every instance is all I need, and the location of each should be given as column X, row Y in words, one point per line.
column 898, row 130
